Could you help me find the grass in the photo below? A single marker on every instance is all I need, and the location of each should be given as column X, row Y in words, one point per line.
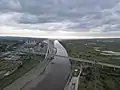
column 118, row 50
column 78, row 49
column 107, row 78
column 28, row 65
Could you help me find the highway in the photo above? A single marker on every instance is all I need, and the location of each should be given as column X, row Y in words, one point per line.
column 55, row 75
column 84, row 60
column 46, row 76
column 92, row 62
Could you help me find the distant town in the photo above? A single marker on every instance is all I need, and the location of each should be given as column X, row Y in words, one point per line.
column 86, row 64
column 19, row 55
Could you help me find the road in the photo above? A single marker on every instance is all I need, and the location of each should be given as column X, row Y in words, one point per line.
column 55, row 75
column 84, row 60
column 74, row 82
column 29, row 76
column 92, row 62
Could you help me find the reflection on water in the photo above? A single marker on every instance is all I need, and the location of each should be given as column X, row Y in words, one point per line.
column 59, row 70
column 110, row 53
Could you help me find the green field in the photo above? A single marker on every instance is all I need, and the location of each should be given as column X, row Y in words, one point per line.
column 95, row 77
column 86, row 49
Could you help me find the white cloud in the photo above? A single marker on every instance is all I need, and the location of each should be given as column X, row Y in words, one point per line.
column 10, row 17
column 60, row 17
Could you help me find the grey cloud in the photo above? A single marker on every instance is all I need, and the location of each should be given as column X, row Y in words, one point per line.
column 113, row 28
column 10, row 5
column 86, row 13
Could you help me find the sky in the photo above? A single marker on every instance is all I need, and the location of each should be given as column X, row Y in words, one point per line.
column 63, row 19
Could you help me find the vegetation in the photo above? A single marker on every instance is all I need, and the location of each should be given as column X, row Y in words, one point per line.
column 29, row 62
column 95, row 77
column 13, row 62
column 92, row 49
column 103, row 79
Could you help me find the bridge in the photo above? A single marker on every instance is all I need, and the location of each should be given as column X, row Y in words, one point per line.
column 73, row 84
column 50, row 49
column 76, row 59
column 50, row 54
column 90, row 61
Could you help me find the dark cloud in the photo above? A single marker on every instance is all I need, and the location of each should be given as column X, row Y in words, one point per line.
column 86, row 13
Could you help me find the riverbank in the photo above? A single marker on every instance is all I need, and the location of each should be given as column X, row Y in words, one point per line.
column 20, row 82
column 55, row 75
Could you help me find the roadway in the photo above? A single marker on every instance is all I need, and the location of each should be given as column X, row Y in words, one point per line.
column 74, row 82
column 55, row 74
column 92, row 62
column 89, row 61
column 50, row 46
column 84, row 60
column 29, row 76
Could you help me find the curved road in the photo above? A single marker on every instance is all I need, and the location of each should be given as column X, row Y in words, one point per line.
column 55, row 75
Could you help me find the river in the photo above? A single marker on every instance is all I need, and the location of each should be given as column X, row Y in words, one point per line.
column 57, row 72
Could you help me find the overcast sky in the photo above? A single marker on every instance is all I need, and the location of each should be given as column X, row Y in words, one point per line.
column 60, row 18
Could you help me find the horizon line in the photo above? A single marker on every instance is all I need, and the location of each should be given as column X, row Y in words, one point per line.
column 61, row 38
